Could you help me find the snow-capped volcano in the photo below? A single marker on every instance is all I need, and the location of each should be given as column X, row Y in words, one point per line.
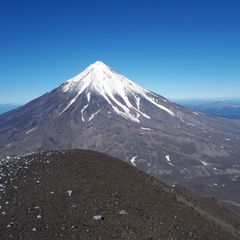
column 102, row 110
column 102, row 79
column 122, row 94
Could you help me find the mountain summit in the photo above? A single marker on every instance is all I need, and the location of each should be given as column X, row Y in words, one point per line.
column 122, row 94
column 104, row 111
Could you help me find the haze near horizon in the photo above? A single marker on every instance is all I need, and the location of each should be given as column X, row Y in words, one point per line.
column 178, row 49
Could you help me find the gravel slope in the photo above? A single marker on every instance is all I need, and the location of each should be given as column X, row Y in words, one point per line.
column 75, row 194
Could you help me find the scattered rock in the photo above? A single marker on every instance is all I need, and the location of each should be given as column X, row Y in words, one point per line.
column 69, row 193
column 98, row 217
column 122, row 212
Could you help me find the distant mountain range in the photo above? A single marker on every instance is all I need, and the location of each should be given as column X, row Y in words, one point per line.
column 229, row 108
column 104, row 111
column 225, row 108
column 7, row 107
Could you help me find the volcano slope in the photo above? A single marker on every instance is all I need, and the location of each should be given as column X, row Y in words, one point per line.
column 81, row 194
column 104, row 111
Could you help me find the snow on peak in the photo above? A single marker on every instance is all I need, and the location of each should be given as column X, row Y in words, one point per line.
column 103, row 80
column 99, row 63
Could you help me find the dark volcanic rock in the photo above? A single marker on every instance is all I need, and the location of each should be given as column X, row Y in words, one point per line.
column 76, row 194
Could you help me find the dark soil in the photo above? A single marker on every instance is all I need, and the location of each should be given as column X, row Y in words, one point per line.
column 57, row 195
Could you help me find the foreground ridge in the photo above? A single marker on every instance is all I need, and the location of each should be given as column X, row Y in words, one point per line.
column 88, row 195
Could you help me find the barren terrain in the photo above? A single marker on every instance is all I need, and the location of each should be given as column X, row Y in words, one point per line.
column 76, row 194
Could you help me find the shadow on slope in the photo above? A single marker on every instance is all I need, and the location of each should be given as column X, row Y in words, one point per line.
column 58, row 194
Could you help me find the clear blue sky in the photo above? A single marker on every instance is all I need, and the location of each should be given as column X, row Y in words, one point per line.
column 176, row 48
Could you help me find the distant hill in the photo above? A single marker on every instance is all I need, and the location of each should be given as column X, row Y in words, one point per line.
column 224, row 109
column 7, row 107
column 79, row 194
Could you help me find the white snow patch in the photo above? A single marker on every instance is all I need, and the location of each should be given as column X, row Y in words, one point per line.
column 138, row 103
column 146, row 129
column 10, row 144
column 160, row 106
column 133, row 160
column 168, row 158
column 189, row 124
column 93, row 115
column 78, row 94
column 30, row 130
column 88, row 96
column 182, row 119
column 82, row 112
column 71, row 102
